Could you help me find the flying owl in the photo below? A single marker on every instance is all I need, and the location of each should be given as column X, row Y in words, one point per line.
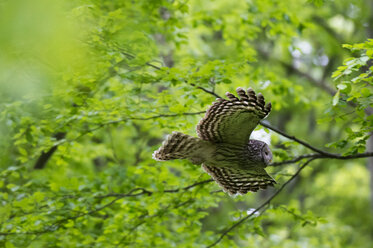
column 224, row 147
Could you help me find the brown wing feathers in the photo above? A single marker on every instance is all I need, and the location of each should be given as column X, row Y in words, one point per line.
column 235, row 181
column 211, row 118
column 208, row 128
column 231, row 96
column 226, row 121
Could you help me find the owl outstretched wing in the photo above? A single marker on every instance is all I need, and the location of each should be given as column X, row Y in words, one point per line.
column 236, row 181
column 232, row 121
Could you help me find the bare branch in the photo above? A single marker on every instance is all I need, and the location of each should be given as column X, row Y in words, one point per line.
column 295, row 159
column 207, row 91
column 321, row 156
column 296, row 139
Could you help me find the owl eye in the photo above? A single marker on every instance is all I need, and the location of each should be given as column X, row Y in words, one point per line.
column 266, row 153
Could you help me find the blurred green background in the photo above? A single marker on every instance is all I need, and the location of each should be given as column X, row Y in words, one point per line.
column 89, row 89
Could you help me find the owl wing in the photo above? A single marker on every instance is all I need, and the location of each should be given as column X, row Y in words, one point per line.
column 237, row 181
column 232, row 121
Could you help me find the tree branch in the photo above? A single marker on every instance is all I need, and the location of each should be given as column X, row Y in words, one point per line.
column 207, row 91
column 159, row 68
column 159, row 213
column 149, row 193
column 295, row 139
column 263, row 123
column 321, row 156
column 295, row 159
column 320, row 153
column 267, row 202
column 45, row 156
column 118, row 196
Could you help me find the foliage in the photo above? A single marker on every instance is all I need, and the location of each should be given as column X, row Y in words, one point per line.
column 354, row 80
column 98, row 85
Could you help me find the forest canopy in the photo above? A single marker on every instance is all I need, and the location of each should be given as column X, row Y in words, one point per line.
column 89, row 90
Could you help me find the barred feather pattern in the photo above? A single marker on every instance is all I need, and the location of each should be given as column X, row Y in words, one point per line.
column 236, row 181
column 232, row 121
column 182, row 146
column 224, row 147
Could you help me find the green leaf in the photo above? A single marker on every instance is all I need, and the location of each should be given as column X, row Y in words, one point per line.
column 336, row 98
column 226, row 81
column 366, row 92
column 8, row 244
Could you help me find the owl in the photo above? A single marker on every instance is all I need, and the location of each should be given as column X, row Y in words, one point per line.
column 223, row 147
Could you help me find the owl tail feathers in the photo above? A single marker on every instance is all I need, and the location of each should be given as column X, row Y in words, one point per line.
column 180, row 146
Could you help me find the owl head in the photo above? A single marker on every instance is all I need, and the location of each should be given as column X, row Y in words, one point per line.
column 266, row 153
column 259, row 152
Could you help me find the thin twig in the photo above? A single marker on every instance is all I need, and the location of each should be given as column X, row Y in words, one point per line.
column 154, row 117
column 207, row 91
column 159, row 68
column 322, row 156
column 320, row 153
column 149, row 193
column 134, row 119
column 118, row 196
column 267, row 202
column 264, row 124
column 295, row 159
column 297, row 140
column 130, row 56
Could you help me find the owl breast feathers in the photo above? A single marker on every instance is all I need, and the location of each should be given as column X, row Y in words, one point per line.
column 224, row 147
